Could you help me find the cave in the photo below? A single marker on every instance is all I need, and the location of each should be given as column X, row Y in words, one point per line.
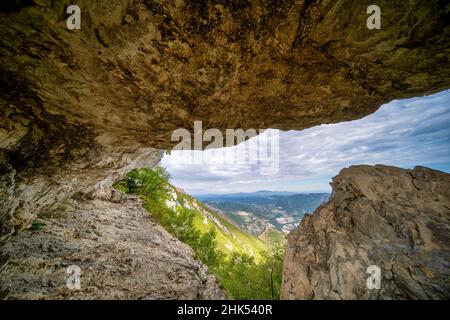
column 81, row 108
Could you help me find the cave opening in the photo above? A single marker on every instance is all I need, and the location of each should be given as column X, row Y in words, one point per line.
column 91, row 100
column 239, row 203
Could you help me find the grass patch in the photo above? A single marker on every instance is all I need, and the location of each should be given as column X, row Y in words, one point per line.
column 36, row 226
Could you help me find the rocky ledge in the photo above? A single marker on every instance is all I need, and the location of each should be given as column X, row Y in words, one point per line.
column 396, row 219
column 121, row 253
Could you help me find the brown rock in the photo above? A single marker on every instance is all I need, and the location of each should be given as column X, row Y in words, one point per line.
column 80, row 108
column 75, row 101
column 122, row 254
column 396, row 219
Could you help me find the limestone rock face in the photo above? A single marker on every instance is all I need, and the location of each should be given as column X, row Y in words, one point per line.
column 72, row 101
column 25, row 194
column 396, row 219
column 139, row 69
column 121, row 253
column 79, row 108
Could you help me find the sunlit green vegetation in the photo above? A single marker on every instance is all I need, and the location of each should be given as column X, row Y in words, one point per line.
column 36, row 225
column 244, row 265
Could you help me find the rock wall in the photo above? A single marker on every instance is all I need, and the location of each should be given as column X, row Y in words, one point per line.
column 121, row 252
column 396, row 219
column 26, row 194
column 79, row 108
column 137, row 70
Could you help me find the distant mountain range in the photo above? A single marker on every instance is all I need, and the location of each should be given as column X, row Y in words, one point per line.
column 260, row 193
column 258, row 211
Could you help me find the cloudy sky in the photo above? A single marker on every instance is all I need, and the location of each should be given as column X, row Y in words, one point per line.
column 403, row 133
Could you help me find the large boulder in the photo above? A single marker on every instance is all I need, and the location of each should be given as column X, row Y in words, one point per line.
column 395, row 219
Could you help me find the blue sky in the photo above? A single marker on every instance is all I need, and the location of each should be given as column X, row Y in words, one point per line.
column 402, row 133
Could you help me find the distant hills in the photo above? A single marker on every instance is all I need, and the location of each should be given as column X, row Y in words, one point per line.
column 260, row 193
column 263, row 216
column 257, row 211
column 231, row 238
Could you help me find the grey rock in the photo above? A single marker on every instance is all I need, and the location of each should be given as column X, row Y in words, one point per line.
column 125, row 263
column 75, row 104
column 394, row 218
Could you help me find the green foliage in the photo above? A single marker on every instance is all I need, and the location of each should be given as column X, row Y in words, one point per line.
column 239, row 274
column 207, row 252
column 36, row 225
column 245, row 279
column 273, row 238
column 181, row 225
column 147, row 182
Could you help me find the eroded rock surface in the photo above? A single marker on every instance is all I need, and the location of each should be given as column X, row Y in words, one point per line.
column 121, row 252
column 396, row 219
column 80, row 108
column 26, row 194
column 137, row 70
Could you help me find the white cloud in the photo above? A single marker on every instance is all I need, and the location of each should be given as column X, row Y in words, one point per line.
column 403, row 133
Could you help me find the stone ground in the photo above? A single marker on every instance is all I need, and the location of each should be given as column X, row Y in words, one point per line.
column 122, row 254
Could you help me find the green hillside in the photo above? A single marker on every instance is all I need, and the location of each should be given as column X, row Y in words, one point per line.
column 239, row 260
column 230, row 238
column 273, row 237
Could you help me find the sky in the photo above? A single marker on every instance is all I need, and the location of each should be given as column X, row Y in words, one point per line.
column 403, row 133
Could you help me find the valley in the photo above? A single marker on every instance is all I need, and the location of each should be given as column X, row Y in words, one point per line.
column 260, row 211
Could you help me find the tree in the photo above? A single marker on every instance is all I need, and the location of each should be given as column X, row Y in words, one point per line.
column 148, row 182
column 207, row 250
